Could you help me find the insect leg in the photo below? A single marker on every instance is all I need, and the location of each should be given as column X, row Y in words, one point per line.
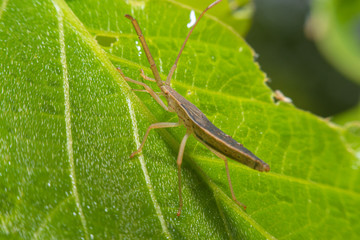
column 146, row 50
column 179, row 161
column 228, row 175
column 143, row 90
column 154, row 126
column 142, row 74
column 148, row 89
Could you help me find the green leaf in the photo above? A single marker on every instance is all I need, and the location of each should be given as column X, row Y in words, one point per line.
column 69, row 123
column 235, row 13
column 335, row 25
column 352, row 115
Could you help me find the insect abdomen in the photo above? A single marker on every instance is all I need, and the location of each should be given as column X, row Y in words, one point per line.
column 213, row 137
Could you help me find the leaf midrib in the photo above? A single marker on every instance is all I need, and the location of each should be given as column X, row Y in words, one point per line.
column 145, row 171
column 67, row 118
column 122, row 85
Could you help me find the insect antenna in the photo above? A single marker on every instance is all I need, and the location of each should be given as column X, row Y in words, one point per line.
column 172, row 70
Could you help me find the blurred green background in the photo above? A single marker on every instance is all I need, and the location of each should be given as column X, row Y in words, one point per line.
column 299, row 42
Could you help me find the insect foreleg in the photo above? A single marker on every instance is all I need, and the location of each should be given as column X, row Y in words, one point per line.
column 148, row 89
column 142, row 74
column 154, row 126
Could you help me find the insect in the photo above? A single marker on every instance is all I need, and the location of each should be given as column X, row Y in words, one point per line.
column 192, row 118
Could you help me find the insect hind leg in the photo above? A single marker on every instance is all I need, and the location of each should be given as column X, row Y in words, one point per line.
column 179, row 162
column 228, row 175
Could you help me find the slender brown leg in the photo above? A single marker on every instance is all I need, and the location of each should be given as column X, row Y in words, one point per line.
column 179, row 162
column 142, row 74
column 148, row 89
column 146, row 50
column 154, row 126
column 145, row 91
column 228, row 176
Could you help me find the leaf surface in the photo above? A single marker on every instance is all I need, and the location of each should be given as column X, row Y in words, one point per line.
column 70, row 122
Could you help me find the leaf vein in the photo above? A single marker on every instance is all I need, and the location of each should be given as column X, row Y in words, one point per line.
column 50, row 214
column 287, row 178
column 221, row 212
column 243, row 214
column 146, row 174
column 68, row 118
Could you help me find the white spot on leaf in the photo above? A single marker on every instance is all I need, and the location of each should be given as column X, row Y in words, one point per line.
column 192, row 19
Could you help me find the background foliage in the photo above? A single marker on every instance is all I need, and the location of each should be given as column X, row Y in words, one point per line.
column 69, row 123
column 293, row 40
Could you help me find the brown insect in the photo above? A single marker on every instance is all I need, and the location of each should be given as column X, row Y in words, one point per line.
column 193, row 119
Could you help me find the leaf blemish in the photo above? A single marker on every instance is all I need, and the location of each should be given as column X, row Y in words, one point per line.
column 192, row 19
column 105, row 41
